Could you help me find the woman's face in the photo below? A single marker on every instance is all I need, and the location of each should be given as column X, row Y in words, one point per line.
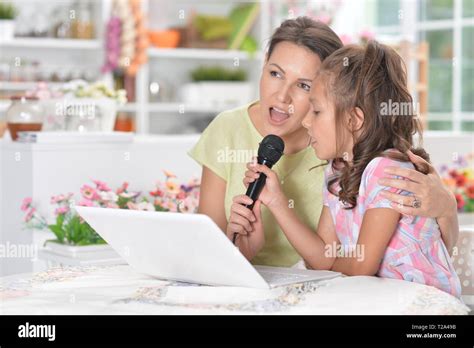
column 285, row 88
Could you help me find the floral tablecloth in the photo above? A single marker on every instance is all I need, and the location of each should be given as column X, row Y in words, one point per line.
column 121, row 290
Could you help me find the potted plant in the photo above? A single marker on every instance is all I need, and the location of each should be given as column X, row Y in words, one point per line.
column 7, row 21
column 84, row 101
column 76, row 239
column 218, row 87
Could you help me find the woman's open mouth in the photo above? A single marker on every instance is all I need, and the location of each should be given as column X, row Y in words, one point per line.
column 278, row 116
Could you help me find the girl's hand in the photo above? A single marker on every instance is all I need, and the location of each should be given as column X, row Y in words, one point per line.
column 247, row 224
column 436, row 200
column 271, row 194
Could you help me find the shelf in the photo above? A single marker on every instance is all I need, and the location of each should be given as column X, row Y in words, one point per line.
column 21, row 42
column 23, row 86
column 187, row 108
column 199, row 53
column 158, row 107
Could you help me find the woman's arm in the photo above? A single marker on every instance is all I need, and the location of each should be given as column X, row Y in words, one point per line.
column 378, row 226
column 212, row 196
column 247, row 224
column 436, row 199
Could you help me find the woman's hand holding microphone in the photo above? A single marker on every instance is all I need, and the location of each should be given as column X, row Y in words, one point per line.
column 248, row 223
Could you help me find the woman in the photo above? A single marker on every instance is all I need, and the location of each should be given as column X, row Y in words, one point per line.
column 294, row 55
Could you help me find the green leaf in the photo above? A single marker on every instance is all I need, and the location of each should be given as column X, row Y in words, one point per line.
column 73, row 230
column 122, row 202
column 60, row 220
column 58, row 231
column 160, row 208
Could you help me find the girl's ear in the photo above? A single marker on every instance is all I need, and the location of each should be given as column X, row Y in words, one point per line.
column 357, row 119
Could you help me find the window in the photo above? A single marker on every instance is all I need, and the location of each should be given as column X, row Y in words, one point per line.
column 448, row 27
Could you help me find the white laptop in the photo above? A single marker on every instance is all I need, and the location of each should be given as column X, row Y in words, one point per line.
column 186, row 247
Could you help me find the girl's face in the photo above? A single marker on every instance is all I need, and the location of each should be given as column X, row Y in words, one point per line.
column 320, row 121
column 285, row 88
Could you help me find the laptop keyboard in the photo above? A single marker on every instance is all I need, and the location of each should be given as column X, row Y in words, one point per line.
column 275, row 277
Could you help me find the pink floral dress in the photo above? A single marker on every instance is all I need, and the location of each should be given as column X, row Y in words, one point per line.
column 416, row 252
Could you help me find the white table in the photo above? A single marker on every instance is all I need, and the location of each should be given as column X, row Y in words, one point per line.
column 120, row 290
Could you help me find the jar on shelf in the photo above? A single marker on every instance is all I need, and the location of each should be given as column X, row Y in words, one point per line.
column 82, row 27
column 24, row 114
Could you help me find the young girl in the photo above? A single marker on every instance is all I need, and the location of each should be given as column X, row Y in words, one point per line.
column 362, row 121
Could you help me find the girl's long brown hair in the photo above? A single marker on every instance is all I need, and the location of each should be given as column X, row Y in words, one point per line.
column 370, row 78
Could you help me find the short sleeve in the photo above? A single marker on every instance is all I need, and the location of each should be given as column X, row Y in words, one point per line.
column 207, row 150
column 371, row 188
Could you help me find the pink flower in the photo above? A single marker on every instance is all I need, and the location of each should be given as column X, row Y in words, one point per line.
column 101, row 186
column 61, row 210
column 61, row 198
column 26, row 204
column 30, row 214
column 89, row 192
column 112, row 205
column 57, row 199
column 86, row 203
column 366, row 35
column 122, row 188
column 346, row 39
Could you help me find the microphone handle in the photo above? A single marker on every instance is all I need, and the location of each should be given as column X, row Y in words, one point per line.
column 254, row 189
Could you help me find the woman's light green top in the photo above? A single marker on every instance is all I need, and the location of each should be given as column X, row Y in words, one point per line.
column 227, row 144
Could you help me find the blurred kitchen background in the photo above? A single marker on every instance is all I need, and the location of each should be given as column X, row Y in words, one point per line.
column 182, row 62
column 157, row 72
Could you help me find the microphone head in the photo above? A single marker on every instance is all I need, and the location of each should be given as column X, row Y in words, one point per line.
column 271, row 148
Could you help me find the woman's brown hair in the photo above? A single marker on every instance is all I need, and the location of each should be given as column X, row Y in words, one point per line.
column 371, row 78
column 308, row 33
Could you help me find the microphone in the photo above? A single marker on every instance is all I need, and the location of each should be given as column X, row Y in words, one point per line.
column 270, row 151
